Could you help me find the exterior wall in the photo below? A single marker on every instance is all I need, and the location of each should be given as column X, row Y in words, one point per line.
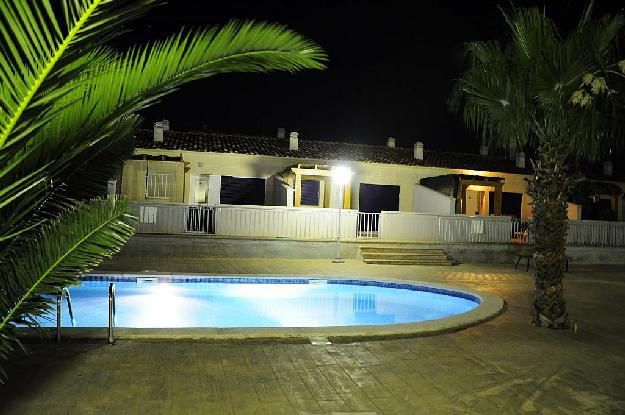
column 426, row 200
column 143, row 246
column 133, row 180
column 244, row 165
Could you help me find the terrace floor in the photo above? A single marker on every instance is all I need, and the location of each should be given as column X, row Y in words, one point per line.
column 502, row 366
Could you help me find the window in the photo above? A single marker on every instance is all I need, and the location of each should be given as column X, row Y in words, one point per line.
column 310, row 192
column 199, row 188
column 510, row 204
column 374, row 198
column 242, row 191
column 159, row 186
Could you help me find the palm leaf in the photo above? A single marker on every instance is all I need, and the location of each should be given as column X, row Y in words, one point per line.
column 41, row 265
column 131, row 81
column 535, row 76
column 34, row 43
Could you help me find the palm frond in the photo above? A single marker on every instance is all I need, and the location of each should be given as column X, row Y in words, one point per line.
column 520, row 93
column 128, row 82
column 40, row 266
column 140, row 77
column 532, row 31
column 35, row 42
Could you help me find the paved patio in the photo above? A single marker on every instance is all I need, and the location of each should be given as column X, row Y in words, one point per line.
column 502, row 366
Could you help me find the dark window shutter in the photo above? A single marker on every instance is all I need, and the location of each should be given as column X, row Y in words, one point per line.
column 310, row 192
column 510, row 204
column 242, row 191
column 375, row 198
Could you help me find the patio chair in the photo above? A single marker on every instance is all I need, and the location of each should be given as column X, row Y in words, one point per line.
column 526, row 251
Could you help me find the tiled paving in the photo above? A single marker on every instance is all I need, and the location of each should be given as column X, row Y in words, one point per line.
column 502, row 366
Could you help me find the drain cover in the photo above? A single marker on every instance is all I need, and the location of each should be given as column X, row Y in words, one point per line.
column 319, row 341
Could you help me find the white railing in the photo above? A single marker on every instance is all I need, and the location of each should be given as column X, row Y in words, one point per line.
column 520, row 231
column 425, row 227
column 315, row 223
column 368, row 225
column 461, row 228
column 199, row 219
column 173, row 218
column 409, row 226
column 580, row 232
column 284, row 222
column 597, row 233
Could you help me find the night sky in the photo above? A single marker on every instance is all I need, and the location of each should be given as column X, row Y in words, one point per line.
column 390, row 69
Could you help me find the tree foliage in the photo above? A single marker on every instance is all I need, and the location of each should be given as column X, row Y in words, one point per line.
column 525, row 91
column 68, row 109
column 559, row 95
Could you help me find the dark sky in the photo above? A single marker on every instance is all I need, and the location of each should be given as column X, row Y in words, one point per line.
column 390, row 70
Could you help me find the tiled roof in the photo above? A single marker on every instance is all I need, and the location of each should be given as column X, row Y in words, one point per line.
column 320, row 150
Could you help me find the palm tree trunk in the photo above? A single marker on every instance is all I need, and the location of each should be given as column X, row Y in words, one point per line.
column 549, row 188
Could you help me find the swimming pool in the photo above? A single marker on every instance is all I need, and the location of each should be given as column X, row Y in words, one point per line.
column 236, row 302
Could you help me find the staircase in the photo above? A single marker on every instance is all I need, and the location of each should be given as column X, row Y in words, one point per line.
column 403, row 254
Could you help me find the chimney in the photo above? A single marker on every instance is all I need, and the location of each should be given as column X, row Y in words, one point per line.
column 281, row 133
column 390, row 142
column 293, row 141
column 165, row 125
column 418, row 150
column 607, row 168
column 520, row 160
column 158, row 131
column 484, row 150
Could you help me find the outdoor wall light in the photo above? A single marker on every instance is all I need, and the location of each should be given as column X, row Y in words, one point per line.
column 341, row 176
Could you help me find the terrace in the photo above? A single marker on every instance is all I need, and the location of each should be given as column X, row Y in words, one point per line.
column 321, row 224
column 490, row 368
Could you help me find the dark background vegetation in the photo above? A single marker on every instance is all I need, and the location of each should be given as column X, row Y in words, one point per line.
column 390, row 71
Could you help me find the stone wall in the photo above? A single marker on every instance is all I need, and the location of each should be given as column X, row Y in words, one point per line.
column 197, row 246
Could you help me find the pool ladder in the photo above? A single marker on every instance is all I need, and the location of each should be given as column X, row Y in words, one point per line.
column 59, row 307
column 112, row 316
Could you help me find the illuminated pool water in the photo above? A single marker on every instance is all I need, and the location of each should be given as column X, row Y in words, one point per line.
column 259, row 302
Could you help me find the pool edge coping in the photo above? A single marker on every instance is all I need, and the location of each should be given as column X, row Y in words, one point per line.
column 490, row 307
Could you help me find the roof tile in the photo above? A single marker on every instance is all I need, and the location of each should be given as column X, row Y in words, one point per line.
column 320, row 150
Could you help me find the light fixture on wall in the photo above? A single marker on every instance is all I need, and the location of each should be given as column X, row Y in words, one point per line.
column 341, row 175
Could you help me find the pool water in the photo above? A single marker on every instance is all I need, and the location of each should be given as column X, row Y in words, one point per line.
column 259, row 302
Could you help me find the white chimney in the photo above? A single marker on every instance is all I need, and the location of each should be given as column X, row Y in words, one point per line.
column 165, row 125
column 158, row 131
column 484, row 150
column 281, row 133
column 418, row 150
column 607, row 168
column 293, row 141
column 390, row 142
column 520, row 160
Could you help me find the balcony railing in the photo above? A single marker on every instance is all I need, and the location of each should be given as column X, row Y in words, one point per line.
column 314, row 223
column 245, row 221
column 368, row 225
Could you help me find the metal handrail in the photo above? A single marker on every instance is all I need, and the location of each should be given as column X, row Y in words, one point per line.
column 59, row 308
column 111, row 312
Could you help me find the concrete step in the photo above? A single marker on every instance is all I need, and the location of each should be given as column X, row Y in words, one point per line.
column 443, row 262
column 367, row 244
column 376, row 249
column 404, row 255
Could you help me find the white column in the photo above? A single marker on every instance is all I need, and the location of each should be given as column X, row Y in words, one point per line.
column 214, row 189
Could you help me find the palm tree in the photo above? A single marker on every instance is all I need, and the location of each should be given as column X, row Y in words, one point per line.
column 560, row 95
column 68, row 109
